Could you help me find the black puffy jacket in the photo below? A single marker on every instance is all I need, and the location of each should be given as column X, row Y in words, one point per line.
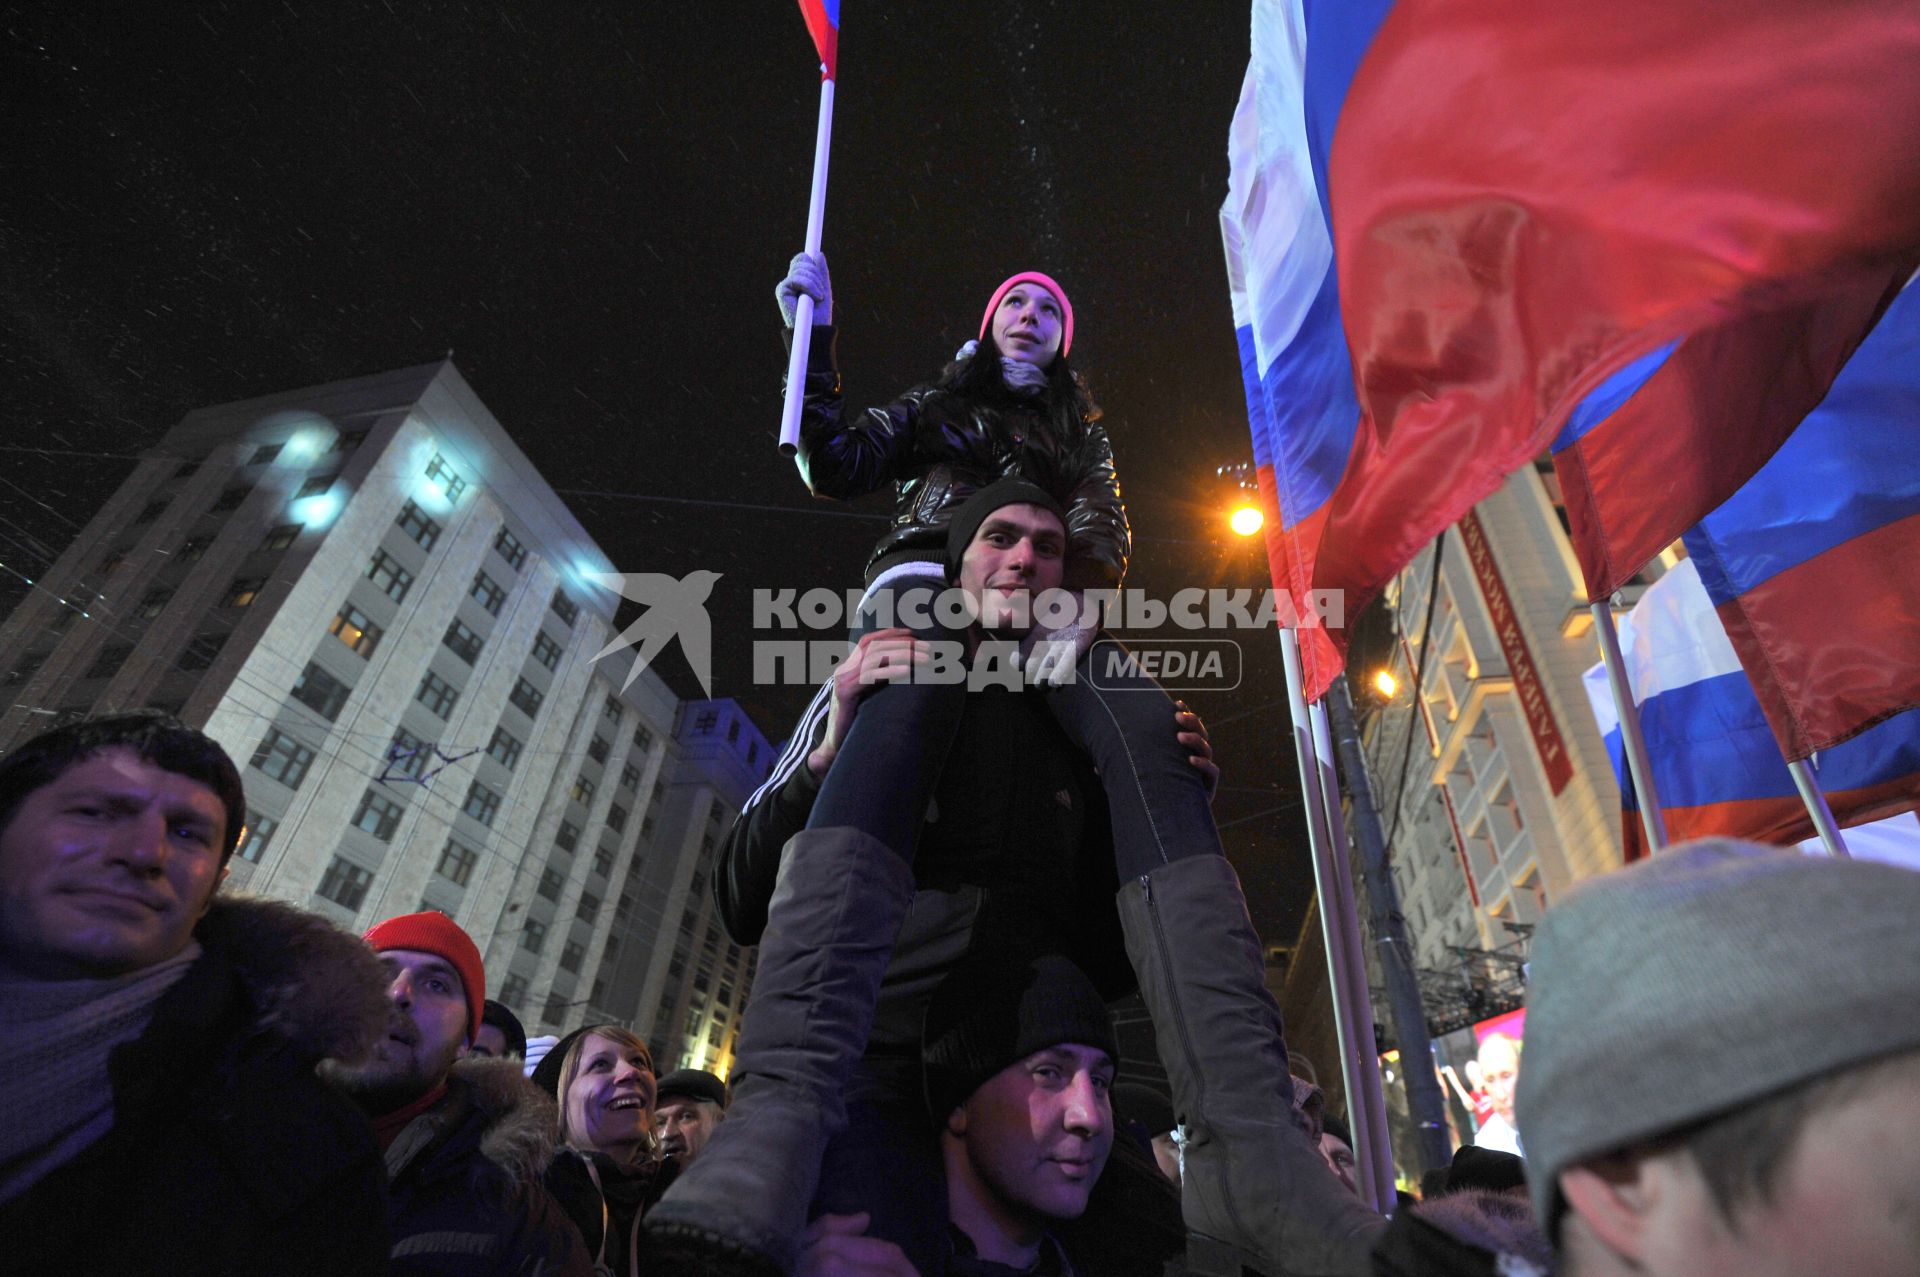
column 938, row 449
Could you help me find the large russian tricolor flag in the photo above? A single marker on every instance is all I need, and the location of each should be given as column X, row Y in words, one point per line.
column 1532, row 205
column 1814, row 565
column 1715, row 762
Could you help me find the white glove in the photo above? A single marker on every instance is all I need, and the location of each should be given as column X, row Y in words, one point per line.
column 965, row 352
column 806, row 274
column 1050, row 657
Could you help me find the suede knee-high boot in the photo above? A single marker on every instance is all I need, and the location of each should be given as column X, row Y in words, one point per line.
column 1256, row 1193
column 741, row 1207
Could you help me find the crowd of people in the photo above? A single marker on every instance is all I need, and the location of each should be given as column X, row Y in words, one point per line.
column 949, row 882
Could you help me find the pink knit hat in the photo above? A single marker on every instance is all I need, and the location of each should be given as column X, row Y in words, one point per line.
column 1046, row 282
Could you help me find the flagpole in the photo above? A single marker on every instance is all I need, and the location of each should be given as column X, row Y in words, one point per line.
column 1333, row 925
column 803, row 312
column 1375, row 1140
column 1639, row 767
column 1817, row 808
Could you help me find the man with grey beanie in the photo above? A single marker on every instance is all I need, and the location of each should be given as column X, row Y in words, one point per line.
column 1723, row 1067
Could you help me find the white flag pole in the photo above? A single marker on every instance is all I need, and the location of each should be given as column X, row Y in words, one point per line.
column 1356, row 1054
column 803, row 313
column 1373, row 1138
column 1639, row 767
column 1816, row 801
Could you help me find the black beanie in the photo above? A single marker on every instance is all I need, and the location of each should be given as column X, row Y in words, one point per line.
column 990, row 1013
column 974, row 511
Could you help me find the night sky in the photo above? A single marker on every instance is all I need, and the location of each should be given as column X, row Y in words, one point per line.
column 589, row 204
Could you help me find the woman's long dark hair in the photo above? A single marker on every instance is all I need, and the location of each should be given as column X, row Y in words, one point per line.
column 1069, row 404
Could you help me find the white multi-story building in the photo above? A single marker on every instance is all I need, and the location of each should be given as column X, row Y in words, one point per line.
column 1494, row 783
column 366, row 592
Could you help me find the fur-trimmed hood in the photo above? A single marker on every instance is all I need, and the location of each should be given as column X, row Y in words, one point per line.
column 522, row 1122
column 320, row 988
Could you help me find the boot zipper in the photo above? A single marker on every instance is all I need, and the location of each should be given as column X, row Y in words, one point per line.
column 1186, row 1043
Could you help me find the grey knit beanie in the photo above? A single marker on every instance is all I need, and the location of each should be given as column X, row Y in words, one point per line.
column 1701, row 980
column 991, row 1012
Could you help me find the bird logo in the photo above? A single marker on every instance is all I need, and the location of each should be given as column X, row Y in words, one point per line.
column 675, row 607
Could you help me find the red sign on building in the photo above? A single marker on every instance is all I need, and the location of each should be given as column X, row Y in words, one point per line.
column 1526, row 676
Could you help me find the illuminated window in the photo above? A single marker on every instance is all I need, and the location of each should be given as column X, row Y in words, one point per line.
column 353, row 627
column 243, row 591
column 440, row 471
column 582, row 791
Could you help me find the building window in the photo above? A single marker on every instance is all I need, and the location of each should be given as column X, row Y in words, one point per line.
column 282, row 537
column 482, row 803
column 487, row 592
column 354, row 628
column 193, row 549
column 629, row 776
column 733, row 731
column 526, row 697
column 545, row 650
column 348, row 440
column 414, row 522
column 456, row 863
column 603, row 862
column 108, row 663
column 509, row 548
column 513, row 991
column 201, row 651
column 567, row 836
column 407, row 755
column 27, row 667
column 504, row 748
column 572, row 954
column 610, row 710
column 230, row 499
column 616, row 817
column 243, row 591
column 589, row 907
column 463, row 642
column 313, row 487
column 533, row 935
column 597, row 749
column 187, row 470
column 259, row 833
column 551, row 881
column 442, row 473
column 705, row 721
column 151, row 511
column 321, row 692
column 385, row 571
column 582, row 791
column 565, row 608
column 646, row 825
column 437, row 694
column 378, row 816
column 264, row 453
column 282, row 757
column 599, row 993
column 642, row 739
column 345, row 883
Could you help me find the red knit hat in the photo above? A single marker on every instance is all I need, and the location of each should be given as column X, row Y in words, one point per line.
column 1046, row 282
column 435, row 933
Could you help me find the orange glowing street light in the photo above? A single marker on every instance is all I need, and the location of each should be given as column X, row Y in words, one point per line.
column 1247, row 520
column 1386, row 684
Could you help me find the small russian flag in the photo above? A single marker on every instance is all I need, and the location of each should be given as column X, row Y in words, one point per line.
column 823, row 24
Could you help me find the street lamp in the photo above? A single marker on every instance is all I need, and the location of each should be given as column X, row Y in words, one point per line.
column 1247, row 520
column 1386, row 684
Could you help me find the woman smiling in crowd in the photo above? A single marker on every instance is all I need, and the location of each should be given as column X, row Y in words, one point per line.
column 610, row 1169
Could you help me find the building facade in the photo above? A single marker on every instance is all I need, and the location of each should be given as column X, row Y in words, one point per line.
column 1494, row 783
column 369, row 596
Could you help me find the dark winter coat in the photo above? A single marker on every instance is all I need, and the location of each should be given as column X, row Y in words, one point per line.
column 1473, row 1233
column 469, row 1199
column 938, row 449
column 608, row 1216
column 1016, row 855
column 227, row 1153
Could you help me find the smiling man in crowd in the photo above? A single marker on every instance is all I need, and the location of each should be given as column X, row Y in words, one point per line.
column 159, row 1110
column 465, row 1144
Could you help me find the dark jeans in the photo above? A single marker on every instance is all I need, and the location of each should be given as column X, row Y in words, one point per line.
column 886, row 769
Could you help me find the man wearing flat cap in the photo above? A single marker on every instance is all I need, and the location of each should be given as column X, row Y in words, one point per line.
column 690, row 1103
column 1723, row 1067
